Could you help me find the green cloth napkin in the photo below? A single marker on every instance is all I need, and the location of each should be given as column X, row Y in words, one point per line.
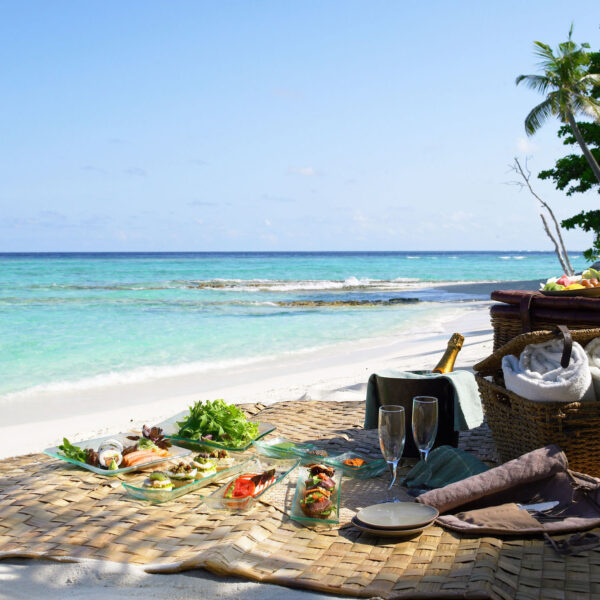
column 467, row 403
column 444, row 465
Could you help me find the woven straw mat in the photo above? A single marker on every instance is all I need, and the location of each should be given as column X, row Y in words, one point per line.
column 52, row 510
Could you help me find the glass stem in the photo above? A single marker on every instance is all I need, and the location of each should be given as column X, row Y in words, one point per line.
column 424, row 454
column 394, row 469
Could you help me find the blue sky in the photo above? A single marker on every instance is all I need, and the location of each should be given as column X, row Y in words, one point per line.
column 248, row 125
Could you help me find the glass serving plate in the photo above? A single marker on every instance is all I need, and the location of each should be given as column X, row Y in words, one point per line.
column 171, row 428
column 174, row 454
column 158, row 496
column 283, row 467
column 371, row 468
column 298, row 515
column 280, row 447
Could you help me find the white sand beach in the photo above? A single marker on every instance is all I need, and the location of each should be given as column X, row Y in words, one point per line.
column 340, row 372
column 32, row 422
column 337, row 373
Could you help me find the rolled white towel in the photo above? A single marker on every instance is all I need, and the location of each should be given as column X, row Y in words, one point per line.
column 537, row 374
column 593, row 353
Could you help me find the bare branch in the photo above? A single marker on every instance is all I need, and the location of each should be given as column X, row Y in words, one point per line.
column 556, row 248
column 561, row 251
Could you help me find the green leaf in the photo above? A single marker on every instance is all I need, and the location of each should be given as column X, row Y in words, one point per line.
column 221, row 421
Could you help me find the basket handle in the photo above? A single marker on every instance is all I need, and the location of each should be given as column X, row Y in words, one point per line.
column 563, row 331
column 525, row 306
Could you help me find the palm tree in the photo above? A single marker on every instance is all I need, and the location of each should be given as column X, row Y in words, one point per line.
column 567, row 85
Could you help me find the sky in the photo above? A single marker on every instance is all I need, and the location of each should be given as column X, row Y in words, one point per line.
column 268, row 125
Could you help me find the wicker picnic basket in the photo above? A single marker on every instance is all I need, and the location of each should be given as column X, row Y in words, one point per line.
column 519, row 425
column 518, row 312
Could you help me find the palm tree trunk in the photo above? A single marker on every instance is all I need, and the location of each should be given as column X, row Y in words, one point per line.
column 586, row 151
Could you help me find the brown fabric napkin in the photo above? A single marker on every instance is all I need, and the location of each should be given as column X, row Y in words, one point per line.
column 486, row 503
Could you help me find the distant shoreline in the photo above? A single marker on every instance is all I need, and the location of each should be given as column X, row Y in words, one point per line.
column 263, row 252
column 488, row 287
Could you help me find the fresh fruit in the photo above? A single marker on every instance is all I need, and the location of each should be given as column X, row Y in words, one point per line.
column 553, row 287
column 565, row 280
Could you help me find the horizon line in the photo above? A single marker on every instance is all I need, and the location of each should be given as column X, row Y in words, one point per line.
column 10, row 252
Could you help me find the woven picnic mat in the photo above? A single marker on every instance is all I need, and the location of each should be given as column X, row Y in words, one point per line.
column 53, row 510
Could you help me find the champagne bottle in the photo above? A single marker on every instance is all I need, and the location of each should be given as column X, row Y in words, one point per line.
column 446, row 363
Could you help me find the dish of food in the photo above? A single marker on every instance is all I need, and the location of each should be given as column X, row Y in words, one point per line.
column 318, row 488
column 122, row 453
column 158, row 481
column 158, row 487
column 205, row 467
column 281, row 448
column 585, row 292
column 249, row 485
column 587, row 284
column 258, row 477
column 221, row 459
column 216, row 424
column 182, row 473
column 317, row 497
column 353, row 464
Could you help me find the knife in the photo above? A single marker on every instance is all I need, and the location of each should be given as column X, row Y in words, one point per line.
column 539, row 507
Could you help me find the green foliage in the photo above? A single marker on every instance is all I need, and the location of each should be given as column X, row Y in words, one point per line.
column 573, row 171
column 217, row 421
column 573, row 74
column 588, row 221
column 73, row 452
column 567, row 81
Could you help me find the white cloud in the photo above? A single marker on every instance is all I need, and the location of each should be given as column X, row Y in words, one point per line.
column 267, row 223
column 304, row 171
column 461, row 216
column 525, row 145
column 272, row 239
column 359, row 217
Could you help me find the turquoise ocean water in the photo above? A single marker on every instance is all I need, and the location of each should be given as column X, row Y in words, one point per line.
column 77, row 320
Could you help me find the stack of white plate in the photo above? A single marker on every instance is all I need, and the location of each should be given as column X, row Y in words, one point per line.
column 395, row 519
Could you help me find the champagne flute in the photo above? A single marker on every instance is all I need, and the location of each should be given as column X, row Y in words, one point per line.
column 424, row 423
column 392, row 433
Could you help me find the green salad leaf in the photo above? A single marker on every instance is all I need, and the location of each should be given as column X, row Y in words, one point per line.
column 219, row 422
column 73, row 452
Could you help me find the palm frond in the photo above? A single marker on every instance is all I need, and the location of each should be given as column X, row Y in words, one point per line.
column 539, row 83
column 539, row 115
column 564, row 81
column 588, row 106
column 543, row 50
column 593, row 78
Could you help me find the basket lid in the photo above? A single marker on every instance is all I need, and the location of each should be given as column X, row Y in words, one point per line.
column 515, row 298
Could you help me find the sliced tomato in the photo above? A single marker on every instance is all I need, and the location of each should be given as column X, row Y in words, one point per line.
column 243, row 488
